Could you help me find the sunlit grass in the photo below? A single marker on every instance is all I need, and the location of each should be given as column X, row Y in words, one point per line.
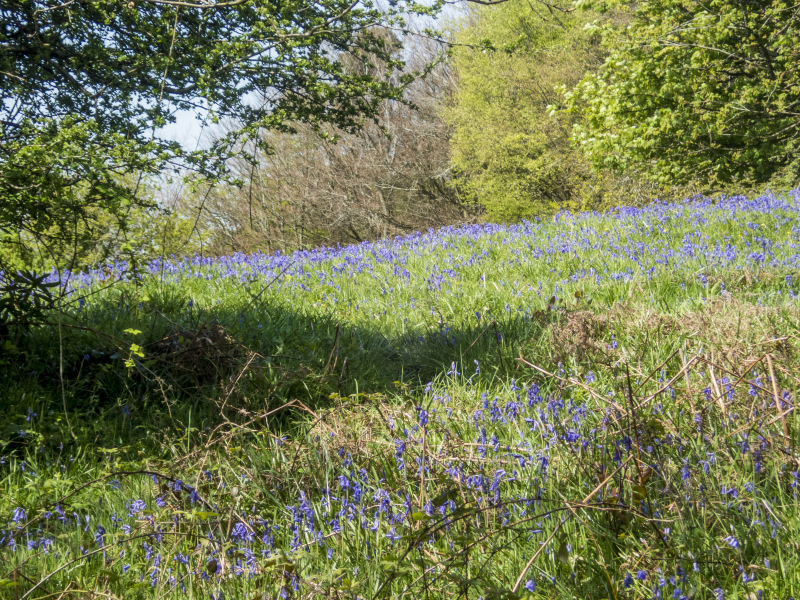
column 582, row 408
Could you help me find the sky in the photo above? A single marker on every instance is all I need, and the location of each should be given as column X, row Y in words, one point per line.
column 187, row 130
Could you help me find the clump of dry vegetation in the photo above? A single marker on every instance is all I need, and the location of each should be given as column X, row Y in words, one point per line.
column 201, row 356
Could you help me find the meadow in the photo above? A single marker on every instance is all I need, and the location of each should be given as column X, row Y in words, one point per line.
column 591, row 406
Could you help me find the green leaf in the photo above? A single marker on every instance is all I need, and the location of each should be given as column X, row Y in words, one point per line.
column 204, row 515
column 563, row 553
column 112, row 576
column 447, row 495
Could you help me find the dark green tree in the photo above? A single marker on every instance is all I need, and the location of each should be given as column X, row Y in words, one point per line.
column 696, row 90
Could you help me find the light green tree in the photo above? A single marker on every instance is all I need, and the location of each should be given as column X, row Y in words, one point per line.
column 695, row 90
column 509, row 154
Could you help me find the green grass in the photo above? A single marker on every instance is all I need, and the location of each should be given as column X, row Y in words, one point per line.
column 543, row 411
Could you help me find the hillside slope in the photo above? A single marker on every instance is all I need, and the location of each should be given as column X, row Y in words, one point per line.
column 598, row 406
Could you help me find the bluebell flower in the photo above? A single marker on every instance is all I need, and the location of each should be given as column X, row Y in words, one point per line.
column 241, row 533
column 135, row 507
column 98, row 536
column 392, row 536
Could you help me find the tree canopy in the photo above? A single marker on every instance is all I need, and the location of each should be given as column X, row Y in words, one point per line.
column 508, row 154
column 696, row 90
column 87, row 85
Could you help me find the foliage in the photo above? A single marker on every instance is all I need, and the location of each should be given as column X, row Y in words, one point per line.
column 54, row 175
column 138, row 232
column 508, row 154
column 87, row 86
column 379, row 438
column 330, row 186
column 695, row 90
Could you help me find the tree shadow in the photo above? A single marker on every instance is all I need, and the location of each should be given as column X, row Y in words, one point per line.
column 161, row 365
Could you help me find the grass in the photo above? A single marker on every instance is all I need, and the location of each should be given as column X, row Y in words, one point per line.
column 599, row 406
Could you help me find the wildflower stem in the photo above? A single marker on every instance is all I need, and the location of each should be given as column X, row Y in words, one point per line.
column 778, row 404
column 555, row 531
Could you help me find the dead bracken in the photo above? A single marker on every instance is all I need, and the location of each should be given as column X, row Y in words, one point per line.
column 201, row 357
column 578, row 334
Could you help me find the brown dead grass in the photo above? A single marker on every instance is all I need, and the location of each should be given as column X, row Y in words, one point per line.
column 734, row 329
column 579, row 334
column 738, row 331
column 200, row 357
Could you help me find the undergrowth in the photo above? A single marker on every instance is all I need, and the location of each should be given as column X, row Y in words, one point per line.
column 595, row 407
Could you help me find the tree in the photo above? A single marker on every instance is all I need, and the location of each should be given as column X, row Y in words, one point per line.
column 87, row 85
column 509, row 154
column 696, row 90
column 389, row 178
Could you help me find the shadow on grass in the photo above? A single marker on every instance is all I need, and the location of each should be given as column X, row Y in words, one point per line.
column 156, row 371
column 136, row 371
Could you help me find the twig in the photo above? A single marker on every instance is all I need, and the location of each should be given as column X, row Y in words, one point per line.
column 92, row 553
column 573, row 382
column 61, row 373
column 720, row 399
column 552, row 535
column 661, row 535
column 328, row 367
column 233, row 385
column 667, row 385
column 480, row 335
column 658, row 368
column 778, row 403
column 688, row 381
column 740, row 377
